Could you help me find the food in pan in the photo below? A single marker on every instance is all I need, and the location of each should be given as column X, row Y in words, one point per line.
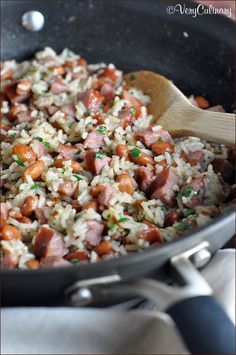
column 86, row 175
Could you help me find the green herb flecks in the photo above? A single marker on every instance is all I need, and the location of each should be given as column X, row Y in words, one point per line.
column 20, row 161
column 132, row 77
column 188, row 212
column 183, row 226
column 123, row 219
column 63, row 170
column 13, row 135
column 99, row 155
column 135, row 152
column 186, row 192
column 78, row 177
column 101, row 129
column 133, row 111
column 35, row 186
column 160, row 139
column 74, row 261
column 45, row 143
column 163, row 208
column 78, row 151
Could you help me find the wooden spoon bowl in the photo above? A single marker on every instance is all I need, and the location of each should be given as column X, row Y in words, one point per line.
column 173, row 111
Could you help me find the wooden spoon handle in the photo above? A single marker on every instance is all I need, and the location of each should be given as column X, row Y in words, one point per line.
column 208, row 125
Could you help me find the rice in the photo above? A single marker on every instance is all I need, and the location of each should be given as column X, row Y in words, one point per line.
column 96, row 196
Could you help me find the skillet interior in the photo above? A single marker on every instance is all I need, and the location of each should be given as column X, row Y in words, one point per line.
column 133, row 35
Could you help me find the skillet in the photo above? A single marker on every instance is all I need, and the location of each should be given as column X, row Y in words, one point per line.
column 198, row 54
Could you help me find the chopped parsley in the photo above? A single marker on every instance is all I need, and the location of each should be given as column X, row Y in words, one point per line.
column 78, row 151
column 78, row 178
column 186, row 192
column 20, row 161
column 63, row 170
column 132, row 77
column 45, row 143
column 164, row 208
column 135, row 152
column 12, row 135
column 188, row 212
column 101, row 129
column 74, row 261
column 35, row 186
column 123, row 219
column 133, row 111
column 141, row 216
column 183, row 226
column 99, row 155
column 160, row 139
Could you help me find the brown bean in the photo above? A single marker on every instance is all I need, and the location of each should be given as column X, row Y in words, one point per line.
column 122, row 150
column 142, row 159
column 202, row 102
column 35, row 170
column 76, row 167
column 24, row 152
column 10, row 232
column 23, row 87
column 94, row 204
column 126, row 183
column 33, row 264
column 162, row 147
column 24, row 220
column 171, row 217
column 95, row 190
column 103, row 248
column 29, row 205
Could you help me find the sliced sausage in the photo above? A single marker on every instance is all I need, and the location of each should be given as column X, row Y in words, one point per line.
column 80, row 255
column 194, row 157
column 92, row 100
column 108, row 91
column 225, row 168
column 152, row 234
column 106, row 194
column 69, row 151
column 171, row 218
column 58, row 88
column 10, row 91
column 144, row 177
column 94, row 233
column 49, row 243
column 94, row 140
column 162, row 187
column 68, row 188
column 41, row 151
column 54, row 261
column 95, row 161
column 150, row 136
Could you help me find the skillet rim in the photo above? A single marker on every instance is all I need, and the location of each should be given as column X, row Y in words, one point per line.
column 129, row 258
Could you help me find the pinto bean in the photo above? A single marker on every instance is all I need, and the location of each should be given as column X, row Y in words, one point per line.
column 152, row 234
column 126, row 183
column 33, row 264
column 10, row 232
column 103, row 248
column 122, row 150
column 24, row 152
column 23, row 87
column 162, row 147
column 80, row 255
column 24, row 220
column 35, row 170
column 29, row 205
column 82, row 62
column 142, row 159
column 76, row 167
column 95, row 190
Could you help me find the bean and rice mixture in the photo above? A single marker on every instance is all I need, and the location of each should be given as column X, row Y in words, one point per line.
column 84, row 174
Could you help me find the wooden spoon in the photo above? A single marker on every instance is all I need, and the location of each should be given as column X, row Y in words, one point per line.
column 172, row 110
